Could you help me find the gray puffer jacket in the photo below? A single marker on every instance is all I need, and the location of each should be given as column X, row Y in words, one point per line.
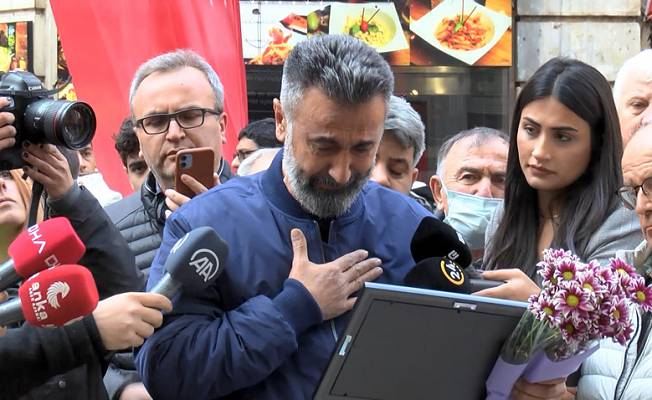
column 623, row 372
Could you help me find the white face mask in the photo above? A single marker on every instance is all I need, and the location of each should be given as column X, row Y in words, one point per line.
column 469, row 215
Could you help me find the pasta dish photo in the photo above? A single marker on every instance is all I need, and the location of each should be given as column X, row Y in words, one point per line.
column 465, row 31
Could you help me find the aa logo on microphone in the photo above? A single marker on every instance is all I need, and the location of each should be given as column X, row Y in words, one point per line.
column 56, row 289
column 452, row 272
column 206, row 263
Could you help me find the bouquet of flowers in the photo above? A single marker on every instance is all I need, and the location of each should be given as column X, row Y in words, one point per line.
column 579, row 304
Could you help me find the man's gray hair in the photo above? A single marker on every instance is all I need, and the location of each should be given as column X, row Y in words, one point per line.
column 404, row 123
column 346, row 69
column 480, row 135
column 172, row 61
column 644, row 58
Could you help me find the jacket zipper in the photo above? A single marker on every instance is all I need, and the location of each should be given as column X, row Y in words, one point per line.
column 628, row 369
column 323, row 260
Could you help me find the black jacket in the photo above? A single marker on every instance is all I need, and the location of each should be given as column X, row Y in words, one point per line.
column 32, row 355
column 108, row 258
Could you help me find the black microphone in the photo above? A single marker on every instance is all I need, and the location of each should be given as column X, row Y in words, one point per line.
column 194, row 263
column 440, row 273
column 434, row 238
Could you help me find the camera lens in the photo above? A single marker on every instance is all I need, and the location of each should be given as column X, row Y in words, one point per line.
column 62, row 122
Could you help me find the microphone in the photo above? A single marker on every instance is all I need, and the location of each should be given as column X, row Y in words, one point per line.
column 52, row 297
column 195, row 262
column 434, row 238
column 440, row 273
column 48, row 244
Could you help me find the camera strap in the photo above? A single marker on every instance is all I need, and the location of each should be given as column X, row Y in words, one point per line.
column 37, row 191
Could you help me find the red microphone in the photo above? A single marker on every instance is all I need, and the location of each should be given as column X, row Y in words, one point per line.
column 48, row 244
column 53, row 297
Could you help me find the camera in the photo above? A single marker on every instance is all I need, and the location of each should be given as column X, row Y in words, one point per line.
column 40, row 119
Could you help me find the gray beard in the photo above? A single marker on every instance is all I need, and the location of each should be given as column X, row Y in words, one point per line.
column 321, row 203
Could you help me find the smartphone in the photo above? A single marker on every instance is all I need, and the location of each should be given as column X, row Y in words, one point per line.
column 198, row 163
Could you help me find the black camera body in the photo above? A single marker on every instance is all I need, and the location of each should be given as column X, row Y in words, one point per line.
column 40, row 119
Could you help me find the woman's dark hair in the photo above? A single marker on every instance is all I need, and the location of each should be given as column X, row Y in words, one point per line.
column 587, row 202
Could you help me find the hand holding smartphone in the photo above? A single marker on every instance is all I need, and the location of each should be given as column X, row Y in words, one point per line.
column 198, row 163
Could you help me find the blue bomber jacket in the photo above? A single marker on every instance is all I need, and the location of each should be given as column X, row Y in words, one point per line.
column 256, row 334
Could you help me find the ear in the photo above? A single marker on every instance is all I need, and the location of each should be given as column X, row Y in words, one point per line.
column 279, row 119
column 223, row 122
column 415, row 172
column 438, row 193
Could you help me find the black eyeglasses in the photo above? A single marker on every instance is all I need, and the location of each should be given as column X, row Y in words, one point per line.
column 186, row 119
column 629, row 194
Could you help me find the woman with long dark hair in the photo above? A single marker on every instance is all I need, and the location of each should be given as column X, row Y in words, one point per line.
column 563, row 173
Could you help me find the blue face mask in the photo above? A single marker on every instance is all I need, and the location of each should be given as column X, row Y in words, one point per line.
column 469, row 215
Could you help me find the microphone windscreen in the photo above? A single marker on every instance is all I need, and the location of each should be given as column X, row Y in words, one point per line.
column 434, row 238
column 58, row 295
column 197, row 259
column 50, row 243
column 438, row 273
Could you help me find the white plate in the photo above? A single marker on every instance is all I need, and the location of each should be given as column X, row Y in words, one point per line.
column 387, row 15
column 426, row 25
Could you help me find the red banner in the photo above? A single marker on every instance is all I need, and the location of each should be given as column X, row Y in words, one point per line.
column 105, row 42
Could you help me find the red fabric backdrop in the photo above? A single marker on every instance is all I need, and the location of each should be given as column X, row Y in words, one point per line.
column 106, row 40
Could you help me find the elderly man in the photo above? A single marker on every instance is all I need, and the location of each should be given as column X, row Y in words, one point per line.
column 470, row 182
column 266, row 329
column 403, row 143
column 633, row 94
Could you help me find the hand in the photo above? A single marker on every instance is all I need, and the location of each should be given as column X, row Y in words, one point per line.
column 174, row 199
column 127, row 319
column 48, row 167
column 331, row 284
column 135, row 391
column 518, row 286
column 3, row 297
column 7, row 131
column 549, row 390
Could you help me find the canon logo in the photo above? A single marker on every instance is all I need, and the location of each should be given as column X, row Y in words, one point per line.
column 206, row 263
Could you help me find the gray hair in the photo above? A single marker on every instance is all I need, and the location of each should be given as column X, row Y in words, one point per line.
column 644, row 58
column 246, row 167
column 172, row 61
column 480, row 135
column 404, row 123
column 346, row 69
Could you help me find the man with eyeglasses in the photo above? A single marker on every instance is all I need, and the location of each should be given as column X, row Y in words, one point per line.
column 177, row 102
column 256, row 135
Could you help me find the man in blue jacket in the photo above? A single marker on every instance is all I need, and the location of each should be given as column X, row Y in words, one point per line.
column 303, row 238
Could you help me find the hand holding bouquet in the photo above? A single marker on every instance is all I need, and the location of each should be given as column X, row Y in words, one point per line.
column 579, row 304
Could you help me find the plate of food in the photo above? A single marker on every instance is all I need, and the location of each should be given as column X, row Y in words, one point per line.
column 376, row 24
column 464, row 30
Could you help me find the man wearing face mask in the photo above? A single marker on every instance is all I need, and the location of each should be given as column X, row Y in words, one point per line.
column 470, row 182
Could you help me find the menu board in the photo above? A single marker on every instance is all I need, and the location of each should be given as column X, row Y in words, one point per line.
column 14, row 46
column 405, row 32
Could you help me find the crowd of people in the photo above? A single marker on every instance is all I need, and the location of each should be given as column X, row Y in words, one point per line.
column 325, row 199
